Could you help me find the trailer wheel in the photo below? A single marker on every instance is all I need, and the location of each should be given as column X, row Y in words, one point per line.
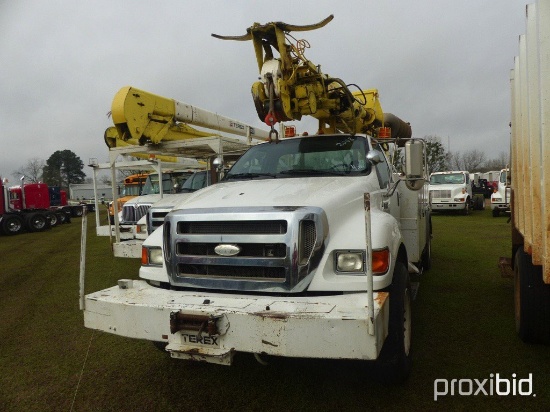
column 531, row 300
column 36, row 222
column 394, row 362
column 12, row 225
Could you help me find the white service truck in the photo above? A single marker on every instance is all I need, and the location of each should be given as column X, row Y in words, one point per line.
column 305, row 248
column 452, row 191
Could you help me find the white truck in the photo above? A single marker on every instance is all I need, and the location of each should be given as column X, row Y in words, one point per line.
column 452, row 191
column 305, row 248
column 530, row 176
column 500, row 198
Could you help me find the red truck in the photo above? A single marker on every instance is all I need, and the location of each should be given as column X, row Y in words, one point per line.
column 33, row 207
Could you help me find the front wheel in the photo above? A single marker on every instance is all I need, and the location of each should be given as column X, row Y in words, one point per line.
column 12, row 225
column 466, row 210
column 394, row 361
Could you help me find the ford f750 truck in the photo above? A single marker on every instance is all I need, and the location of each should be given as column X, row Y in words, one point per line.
column 304, row 249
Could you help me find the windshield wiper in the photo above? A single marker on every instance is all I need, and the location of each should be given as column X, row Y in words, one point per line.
column 249, row 175
column 313, row 172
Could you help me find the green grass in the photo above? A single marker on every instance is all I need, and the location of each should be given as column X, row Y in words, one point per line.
column 463, row 328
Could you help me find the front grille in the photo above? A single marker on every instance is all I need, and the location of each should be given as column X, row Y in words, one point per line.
column 132, row 213
column 141, row 210
column 266, row 249
column 308, row 237
column 441, row 194
column 157, row 219
column 234, row 228
column 128, row 214
column 275, row 274
column 247, row 249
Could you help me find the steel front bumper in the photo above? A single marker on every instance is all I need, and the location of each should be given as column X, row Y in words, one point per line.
column 449, row 206
column 500, row 206
column 212, row 327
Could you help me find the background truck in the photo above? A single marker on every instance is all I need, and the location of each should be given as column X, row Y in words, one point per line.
column 452, row 191
column 132, row 187
column 500, row 198
column 29, row 207
column 304, row 249
column 530, row 176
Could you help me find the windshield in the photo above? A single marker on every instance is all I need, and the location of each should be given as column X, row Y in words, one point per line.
column 133, row 190
column 447, row 178
column 171, row 183
column 329, row 155
column 196, row 182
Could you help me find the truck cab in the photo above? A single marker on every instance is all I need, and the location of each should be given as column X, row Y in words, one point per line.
column 451, row 191
column 158, row 211
column 134, row 209
column 282, row 250
column 500, row 199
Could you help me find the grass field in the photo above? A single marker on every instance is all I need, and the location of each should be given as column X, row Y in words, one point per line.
column 463, row 329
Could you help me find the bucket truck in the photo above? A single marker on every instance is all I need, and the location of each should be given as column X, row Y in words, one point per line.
column 307, row 245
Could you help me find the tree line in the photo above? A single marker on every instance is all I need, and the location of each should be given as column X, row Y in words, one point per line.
column 62, row 168
column 440, row 160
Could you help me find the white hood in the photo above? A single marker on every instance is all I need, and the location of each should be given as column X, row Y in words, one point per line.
column 314, row 191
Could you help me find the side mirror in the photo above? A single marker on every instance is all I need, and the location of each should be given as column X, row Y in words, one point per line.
column 414, row 164
column 374, row 157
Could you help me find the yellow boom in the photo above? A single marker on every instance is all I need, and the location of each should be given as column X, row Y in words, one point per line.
column 292, row 86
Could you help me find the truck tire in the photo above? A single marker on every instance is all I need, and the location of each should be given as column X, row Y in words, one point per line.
column 77, row 211
column 496, row 212
column 427, row 254
column 394, row 361
column 531, row 300
column 479, row 202
column 61, row 217
column 12, row 225
column 466, row 210
column 36, row 222
column 52, row 219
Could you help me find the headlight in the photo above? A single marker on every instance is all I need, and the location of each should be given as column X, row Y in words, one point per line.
column 349, row 262
column 151, row 256
column 459, row 199
column 496, row 199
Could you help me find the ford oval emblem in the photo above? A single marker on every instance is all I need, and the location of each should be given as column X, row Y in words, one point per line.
column 227, row 250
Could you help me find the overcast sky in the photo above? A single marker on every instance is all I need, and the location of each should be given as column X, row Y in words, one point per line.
column 441, row 65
